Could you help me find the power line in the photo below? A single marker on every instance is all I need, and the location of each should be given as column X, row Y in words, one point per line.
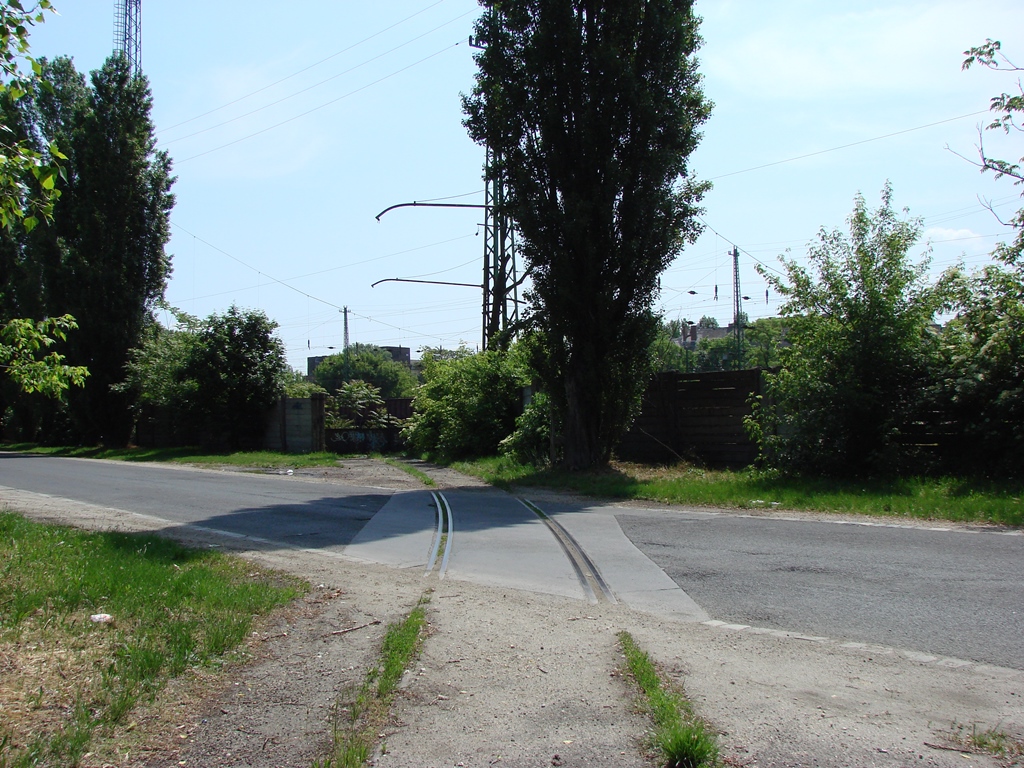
column 847, row 146
column 322, row 106
column 315, row 85
column 299, row 72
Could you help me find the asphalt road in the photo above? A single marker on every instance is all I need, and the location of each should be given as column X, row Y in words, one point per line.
column 952, row 593
column 286, row 509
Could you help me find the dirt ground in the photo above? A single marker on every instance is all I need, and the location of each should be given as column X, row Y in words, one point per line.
column 514, row 679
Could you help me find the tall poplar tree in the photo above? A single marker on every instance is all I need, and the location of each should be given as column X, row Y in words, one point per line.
column 112, row 268
column 591, row 110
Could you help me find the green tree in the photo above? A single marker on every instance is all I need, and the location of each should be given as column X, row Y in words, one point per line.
column 982, row 382
column 1007, row 108
column 368, row 363
column 590, row 111
column 297, row 385
column 707, row 321
column 764, row 339
column 667, row 354
column 28, row 178
column 467, row 405
column 113, row 267
column 863, row 348
column 28, row 192
column 233, row 375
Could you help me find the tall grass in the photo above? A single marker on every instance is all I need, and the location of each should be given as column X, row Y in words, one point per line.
column 171, row 608
column 683, row 739
column 359, row 718
column 955, row 499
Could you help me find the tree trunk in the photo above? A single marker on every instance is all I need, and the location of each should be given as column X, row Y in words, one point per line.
column 583, row 448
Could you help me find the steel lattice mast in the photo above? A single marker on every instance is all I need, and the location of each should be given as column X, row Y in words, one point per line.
column 128, row 32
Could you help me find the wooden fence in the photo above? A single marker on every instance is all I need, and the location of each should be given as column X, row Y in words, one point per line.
column 694, row 416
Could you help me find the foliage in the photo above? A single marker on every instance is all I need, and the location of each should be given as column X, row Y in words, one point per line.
column 590, row 113
column 1007, row 108
column 466, row 406
column 368, row 363
column 358, row 404
column 233, row 377
column 760, row 347
column 210, row 381
column 117, row 224
column 707, row 321
column 28, row 174
column 859, row 321
column 297, row 385
column 530, row 443
column 763, row 341
column 154, row 369
column 102, row 260
column 982, row 380
column 22, row 344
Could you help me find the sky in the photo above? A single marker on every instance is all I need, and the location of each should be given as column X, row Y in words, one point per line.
column 291, row 128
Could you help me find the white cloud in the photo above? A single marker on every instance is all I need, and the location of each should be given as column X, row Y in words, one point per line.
column 945, row 235
column 794, row 52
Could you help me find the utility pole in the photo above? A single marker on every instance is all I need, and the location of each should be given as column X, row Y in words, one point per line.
column 737, row 306
column 128, row 33
column 345, row 310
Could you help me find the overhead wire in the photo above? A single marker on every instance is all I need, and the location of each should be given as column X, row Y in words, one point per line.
column 847, row 146
column 304, row 69
column 315, row 85
column 322, row 106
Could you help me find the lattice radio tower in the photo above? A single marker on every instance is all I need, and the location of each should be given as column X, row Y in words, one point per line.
column 128, row 32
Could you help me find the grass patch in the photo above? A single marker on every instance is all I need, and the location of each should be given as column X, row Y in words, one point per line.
column 257, row 459
column 924, row 498
column 423, row 477
column 359, row 718
column 990, row 741
column 683, row 739
column 69, row 678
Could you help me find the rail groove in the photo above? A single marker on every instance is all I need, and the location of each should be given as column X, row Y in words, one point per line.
column 443, row 533
column 594, row 585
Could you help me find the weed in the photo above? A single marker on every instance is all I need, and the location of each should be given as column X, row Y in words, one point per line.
column 358, row 719
column 683, row 739
column 991, row 741
column 423, row 477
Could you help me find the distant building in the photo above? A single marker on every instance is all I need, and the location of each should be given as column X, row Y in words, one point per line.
column 400, row 355
column 312, row 363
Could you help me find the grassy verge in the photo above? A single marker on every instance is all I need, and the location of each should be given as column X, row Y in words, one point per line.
column 185, row 455
column 683, row 739
column 423, row 477
column 925, row 498
column 991, row 741
column 359, row 719
column 71, row 678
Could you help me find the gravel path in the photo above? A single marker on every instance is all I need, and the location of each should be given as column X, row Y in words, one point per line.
column 510, row 678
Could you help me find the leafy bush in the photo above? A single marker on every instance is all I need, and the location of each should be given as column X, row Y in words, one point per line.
column 530, row 443
column 365, row 362
column 982, row 382
column 863, row 350
column 211, row 380
column 466, row 405
column 359, row 405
